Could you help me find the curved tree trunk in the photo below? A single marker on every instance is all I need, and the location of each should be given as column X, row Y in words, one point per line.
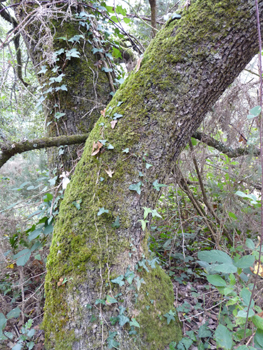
column 75, row 89
column 101, row 283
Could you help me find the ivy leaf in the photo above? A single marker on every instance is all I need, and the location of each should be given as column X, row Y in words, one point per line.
column 175, row 16
column 143, row 222
column 102, row 211
column 147, row 165
column 103, row 142
column 72, row 53
column 118, row 280
column 134, row 323
column 146, row 212
column 116, row 223
column 254, row 112
column 139, row 282
column 155, row 213
column 110, row 147
column 59, row 52
column 77, row 203
column 95, row 50
column 56, row 79
column 119, row 103
column 106, row 70
column 136, row 187
column 62, row 87
column 157, row 186
column 58, row 115
column 110, row 300
column 112, row 343
column 123, row 320
column 129, row 276
column 126, row 150
column 76, row 38
column 43, row 70
column 170, row 316
column 117, row 116
column 142, row 264
column 153, row 262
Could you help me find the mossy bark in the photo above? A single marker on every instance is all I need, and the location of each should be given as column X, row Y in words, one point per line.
column 48, row 32
column 184, row 71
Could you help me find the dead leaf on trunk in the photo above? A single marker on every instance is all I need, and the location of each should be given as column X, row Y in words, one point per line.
column 113, row 123
column 98, row 64
column 138, row 64
column 96, row 148
column 109, row 172
column 103, row 112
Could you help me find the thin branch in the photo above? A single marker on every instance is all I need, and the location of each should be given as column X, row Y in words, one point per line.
column 183, row 185
column 9, row 150
column 206, row 201
column 230, row 152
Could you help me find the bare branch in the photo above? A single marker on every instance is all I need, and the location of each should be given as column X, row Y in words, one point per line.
column 9, row 150
column 230, row 152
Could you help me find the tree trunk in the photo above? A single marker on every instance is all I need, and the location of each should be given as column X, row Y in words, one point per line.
column 100, row 274
column 73, row 87
column 153, row 16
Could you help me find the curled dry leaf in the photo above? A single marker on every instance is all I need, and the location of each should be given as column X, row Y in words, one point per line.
column 109, row 172
column 113, row 123
column 138, row 64
column 98, row 64
column 103, row 112
column 60, row 281
column 96, row 148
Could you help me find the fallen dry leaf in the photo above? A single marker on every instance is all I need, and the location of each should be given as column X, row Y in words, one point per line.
column 96, row 148
column 103, row 112
column 113, row 123
column 257, row 269
column 60, row 281
column 109, row 172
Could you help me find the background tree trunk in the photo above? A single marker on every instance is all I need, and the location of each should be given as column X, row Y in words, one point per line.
column 184, row 71
column 153, row 16
column 48, row 32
